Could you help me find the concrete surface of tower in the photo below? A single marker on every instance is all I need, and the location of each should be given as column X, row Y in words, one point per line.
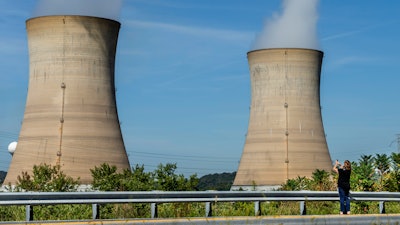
column 285, row 137
column 70, row 116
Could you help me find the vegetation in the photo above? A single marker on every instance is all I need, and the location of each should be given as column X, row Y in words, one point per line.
column 219, row 182
column 46, row 178
column 370, row 173
column 164, row 178
column 2, row 176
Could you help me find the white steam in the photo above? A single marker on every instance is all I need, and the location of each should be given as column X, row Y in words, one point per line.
column 109, row 9
column 295, row 27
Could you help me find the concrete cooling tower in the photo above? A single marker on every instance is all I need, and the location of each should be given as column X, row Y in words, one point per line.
column 70, row 116
column 285, row 137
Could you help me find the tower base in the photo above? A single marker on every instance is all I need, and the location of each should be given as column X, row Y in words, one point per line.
column 255, row 188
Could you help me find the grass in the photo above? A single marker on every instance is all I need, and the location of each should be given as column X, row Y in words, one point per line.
column 183, row 210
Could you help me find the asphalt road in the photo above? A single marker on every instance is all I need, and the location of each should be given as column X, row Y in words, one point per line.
column 376, row 219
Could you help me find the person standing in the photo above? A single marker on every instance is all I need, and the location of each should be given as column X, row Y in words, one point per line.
column 343, row 185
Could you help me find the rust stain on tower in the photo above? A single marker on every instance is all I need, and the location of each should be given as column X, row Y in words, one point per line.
column 70, row 116
column 285, row 137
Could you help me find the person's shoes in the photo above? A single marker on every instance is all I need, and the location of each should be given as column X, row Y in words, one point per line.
column 348, row 213
column 341, row 213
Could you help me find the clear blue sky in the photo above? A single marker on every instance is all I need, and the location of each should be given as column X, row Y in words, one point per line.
column 183, row 88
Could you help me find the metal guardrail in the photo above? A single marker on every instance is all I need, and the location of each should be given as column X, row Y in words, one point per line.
column 30, row 199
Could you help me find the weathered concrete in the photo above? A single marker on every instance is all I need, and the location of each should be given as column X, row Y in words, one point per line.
column 285, row 137
column 70, row 116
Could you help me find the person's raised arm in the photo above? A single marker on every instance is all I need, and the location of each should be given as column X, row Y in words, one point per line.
column 335, row 167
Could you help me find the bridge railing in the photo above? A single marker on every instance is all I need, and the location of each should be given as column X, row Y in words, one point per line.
column 96, row 199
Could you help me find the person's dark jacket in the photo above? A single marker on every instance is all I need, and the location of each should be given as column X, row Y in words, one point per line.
column 344, row 180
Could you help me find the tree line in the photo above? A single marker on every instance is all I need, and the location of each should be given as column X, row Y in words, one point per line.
column 379, row 172
column 48, row 178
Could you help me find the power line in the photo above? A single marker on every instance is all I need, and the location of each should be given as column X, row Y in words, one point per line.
column 183, row 157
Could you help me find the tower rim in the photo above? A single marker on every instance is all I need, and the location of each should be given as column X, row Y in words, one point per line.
column 71, row 16
column 284, row 48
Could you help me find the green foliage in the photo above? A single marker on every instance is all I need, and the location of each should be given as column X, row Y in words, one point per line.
column 391, row 181
column 106, row 178
column 12, row 213
column 297, row 184
column 119, row 211
column 392, row 207
column 233, row 208
column 62, row 212
column 166, row 179
column 320, row 181
column 137, row 179
column 280, row 208
column 379, row 173
column 322, row 208
column 395, row 158
column 364, row 207
column 382, row 163
column 46, row 178
column 362, row 174
column 177, row 210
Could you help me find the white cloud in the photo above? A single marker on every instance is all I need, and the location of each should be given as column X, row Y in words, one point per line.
column 221, row 34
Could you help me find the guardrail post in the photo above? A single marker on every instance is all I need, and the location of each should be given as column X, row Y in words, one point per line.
column 154, row 210
column 303, row 208
column 95, row 211
column 208, row 209
column 382, row 209
column 29, row 212
column 257, row 208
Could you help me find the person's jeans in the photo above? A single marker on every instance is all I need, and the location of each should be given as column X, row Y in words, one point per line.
column 344, row 201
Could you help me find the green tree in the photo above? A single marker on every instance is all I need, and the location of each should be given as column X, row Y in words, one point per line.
column 362, row 173
column 216, row 181
column 166, row 179
column 382, row 168
column 382, row 163
column 46, row 178
column 297, row 184
column 290, row 185
column 321, row 180
column 106, row 178
column 395, row 158
column 137, row 179
column 391, row 181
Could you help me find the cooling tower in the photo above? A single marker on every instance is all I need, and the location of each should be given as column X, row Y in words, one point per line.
column 285, row 137
column 70, row 116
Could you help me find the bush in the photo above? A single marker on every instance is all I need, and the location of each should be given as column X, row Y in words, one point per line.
column 46, row 178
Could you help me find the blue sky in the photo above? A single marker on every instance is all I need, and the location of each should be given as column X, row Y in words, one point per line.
column 183, row 88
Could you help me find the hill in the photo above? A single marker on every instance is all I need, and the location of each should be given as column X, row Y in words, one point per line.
column 2, row 176
column 216, row 181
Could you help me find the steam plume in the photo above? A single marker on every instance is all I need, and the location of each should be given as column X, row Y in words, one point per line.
column 99, row 8
column 295, row 27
